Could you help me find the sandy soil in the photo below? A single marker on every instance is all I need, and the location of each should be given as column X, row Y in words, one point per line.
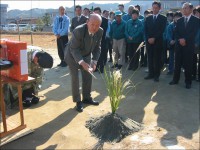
column 170, row 114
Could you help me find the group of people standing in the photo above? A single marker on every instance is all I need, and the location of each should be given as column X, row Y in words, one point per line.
column 96, row 33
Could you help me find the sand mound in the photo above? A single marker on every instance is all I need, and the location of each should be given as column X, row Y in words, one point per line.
column 112, row 127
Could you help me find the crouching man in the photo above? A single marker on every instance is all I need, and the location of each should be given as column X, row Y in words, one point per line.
column 37, row 61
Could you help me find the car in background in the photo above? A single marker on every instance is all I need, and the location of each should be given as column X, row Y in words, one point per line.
column 10, row 27
column 2, row 27
column 24, row 27
column 37, row 27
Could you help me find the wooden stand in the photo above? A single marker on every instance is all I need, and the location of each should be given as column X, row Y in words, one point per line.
column 18, row 84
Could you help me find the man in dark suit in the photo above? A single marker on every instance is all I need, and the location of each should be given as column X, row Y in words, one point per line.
column 83, row 51
column 185, row 32
column 154, row 28
column 103, row 57
column 79, row 19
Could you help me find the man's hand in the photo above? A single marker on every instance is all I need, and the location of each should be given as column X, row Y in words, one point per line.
column 172, row 42
column 84, row 65
column 182, row 42
column 93, row 66
column 151, row 40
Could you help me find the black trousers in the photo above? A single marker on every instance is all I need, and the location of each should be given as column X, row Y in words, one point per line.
column 133, row 55
column 103, row 56
column 109, row 47
column 183, row 57
column 61, row 43
column 154, row 54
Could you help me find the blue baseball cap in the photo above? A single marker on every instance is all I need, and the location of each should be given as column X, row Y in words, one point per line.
column 118, row 13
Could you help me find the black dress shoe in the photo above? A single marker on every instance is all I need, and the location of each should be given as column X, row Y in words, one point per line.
column 79, row 106
column 156, row 79
column 115, row 66
column 188, row 86
column 172, row 83
column 148, row 77
column 119, row 67
column 64, row 64
column 90, row 101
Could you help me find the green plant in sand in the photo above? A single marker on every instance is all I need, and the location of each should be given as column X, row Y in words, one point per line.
column 116, row 87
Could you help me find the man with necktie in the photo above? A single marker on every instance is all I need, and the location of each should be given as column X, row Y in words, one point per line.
column 185, row 32
column 79, row 19
column 154, row 28
column 103, row 57
column 60, row 30
column 83, row 51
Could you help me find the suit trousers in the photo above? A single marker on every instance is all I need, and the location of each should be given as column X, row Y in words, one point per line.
column 154, row 54
column 61, row 43
column 183, row 57
column 109, row 47
column 119, row 48
column 74, row 68
column 103, row 56
column 171, row 58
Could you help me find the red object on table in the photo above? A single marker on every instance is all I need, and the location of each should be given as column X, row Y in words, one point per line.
column 17, row 54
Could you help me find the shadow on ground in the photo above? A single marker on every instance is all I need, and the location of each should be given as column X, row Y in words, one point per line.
column 41, row 135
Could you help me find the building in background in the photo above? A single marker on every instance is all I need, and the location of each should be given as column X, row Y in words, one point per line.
column 176, row 4
column 3, row 13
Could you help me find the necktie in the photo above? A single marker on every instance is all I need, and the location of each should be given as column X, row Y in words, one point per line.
column 78, row 18
column 60, row 22
column 91, row 40
column 154, row 19
column 186, row 20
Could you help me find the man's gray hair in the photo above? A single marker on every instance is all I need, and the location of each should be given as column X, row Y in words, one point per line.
column 188, row 4
column 131, row 6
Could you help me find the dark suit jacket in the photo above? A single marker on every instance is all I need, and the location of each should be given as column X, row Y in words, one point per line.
column 104, row 26
column 189, row 33
column 76, row 23
column 79, row 45
column 155, row 30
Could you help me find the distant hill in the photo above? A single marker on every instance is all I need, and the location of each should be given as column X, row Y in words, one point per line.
column 36, row 13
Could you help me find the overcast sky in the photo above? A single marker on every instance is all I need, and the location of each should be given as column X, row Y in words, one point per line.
column 28, row 4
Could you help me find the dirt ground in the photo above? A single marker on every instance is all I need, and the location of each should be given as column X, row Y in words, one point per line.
column 170, row 114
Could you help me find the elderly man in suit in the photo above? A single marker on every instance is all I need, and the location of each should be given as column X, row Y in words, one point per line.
column 154, row 28
column 185, row 32
column 79, row 19
column 83, row 51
